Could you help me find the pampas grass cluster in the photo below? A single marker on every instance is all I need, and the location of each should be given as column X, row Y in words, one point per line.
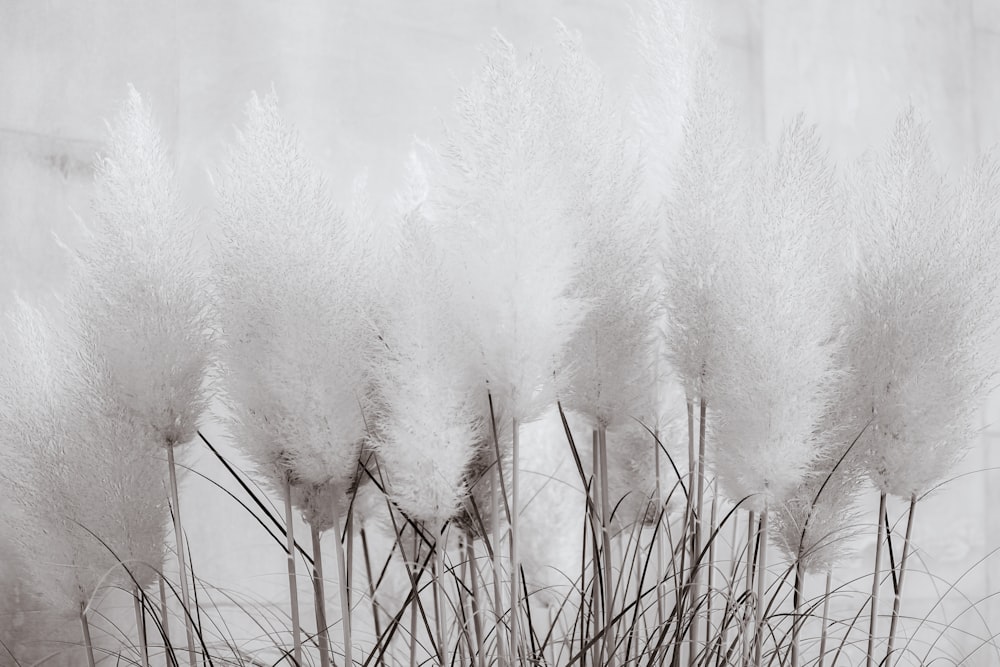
column 545, row 388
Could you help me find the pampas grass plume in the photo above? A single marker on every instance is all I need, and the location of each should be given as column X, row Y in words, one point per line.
column 85, row 475
column 773, row 373
column 923, row 309
column 296, row 337
column 141, row 298
column 435, row 406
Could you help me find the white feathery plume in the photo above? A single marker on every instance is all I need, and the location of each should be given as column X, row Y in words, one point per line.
column 290, row 301
column 922, row 315
column 670, row 39
column 86, row 477
column 505, row 196
column 772, row 374
column 432, row 394
column 700, row 214
column 610, row 351
column 632, row 466
column 815, row 524
column 142, row 299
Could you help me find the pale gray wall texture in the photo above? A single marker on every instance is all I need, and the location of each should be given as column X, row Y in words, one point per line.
column 361, row 78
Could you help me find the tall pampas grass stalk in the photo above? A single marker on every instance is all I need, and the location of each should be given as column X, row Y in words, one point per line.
column 610, row 376
column 141, row 296
column 505, row 193
column 922, row 315
column 297, row 334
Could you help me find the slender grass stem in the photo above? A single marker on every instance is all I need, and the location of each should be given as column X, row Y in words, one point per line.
column 414, row 607
column 342, row 584
column 515, row 569
column 164, row 615
column 751, row 560
column 657, row 537
column 88, row 644
column 477, row 619
column 293, row 588
column 497, row 587
column 319, row 595
column 376, row 620
column 873, row 623
column 609, row 609
column 696, row 513
column 181, row 564
column 899, row 585
column 140, row 626
column 761, row 587
column 796, row 608
column 437, row 572
column 713, row 517
column 826, row 615
column 597, row 591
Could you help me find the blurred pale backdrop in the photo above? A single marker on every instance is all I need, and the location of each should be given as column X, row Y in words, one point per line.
column 361, row 78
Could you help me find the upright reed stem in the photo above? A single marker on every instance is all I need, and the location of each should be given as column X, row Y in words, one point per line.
column 86, row 635
column 696, row 514
column 515, row 570
column 293, row 589
column 345, row 596
column 181, row 561
column 164, row 614
column 609, row 609
column 873, row 624
column 497, row 588
column 596, row 590
column 477, row 619
column 319, row 595
column 751, row 559
column 826, row 615
column 711, row 567
column 657, row 537
column 437, row 589
column 140, row 625
column 899, row 582
column 761, row 587
column 371, row 588
column 796, row 607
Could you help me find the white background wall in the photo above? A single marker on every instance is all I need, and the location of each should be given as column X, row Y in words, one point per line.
column 360, row 78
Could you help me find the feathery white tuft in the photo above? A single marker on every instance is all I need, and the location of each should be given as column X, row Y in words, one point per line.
column 85, row 475
column 433, row 398
column 291, row 303
column 141, row 297
column 771, row 377
column 700, row 216
column 670, row 40
column 922, row 314
column 609, row 355
column 504, row 196
column 816, row 523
